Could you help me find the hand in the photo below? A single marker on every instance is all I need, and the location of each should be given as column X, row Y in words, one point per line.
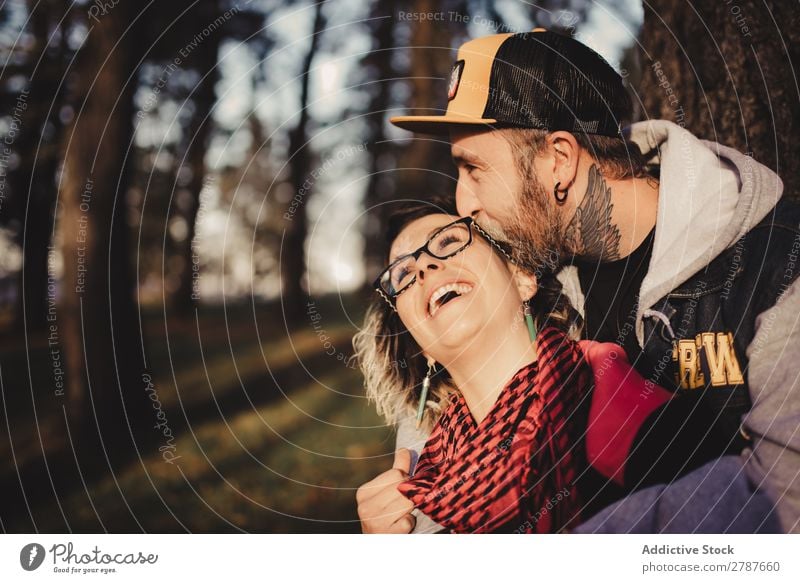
column 381, row 508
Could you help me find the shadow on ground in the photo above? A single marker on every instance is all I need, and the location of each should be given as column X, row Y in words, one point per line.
column 271, row 432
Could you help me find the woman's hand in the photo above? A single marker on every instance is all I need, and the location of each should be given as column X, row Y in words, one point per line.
column 381, row 507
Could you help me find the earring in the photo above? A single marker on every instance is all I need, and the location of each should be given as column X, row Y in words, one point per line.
column 423, row 398
column 561, row 197
column 529, row 321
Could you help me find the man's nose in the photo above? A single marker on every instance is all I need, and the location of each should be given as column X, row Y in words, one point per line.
column 467, row 203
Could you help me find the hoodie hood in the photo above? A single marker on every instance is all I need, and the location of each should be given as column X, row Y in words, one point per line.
column 709, row 197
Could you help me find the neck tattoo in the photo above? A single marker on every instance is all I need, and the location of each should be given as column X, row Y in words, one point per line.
column 591, row 232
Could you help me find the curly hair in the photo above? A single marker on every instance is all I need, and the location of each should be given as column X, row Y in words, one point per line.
column 392, row 361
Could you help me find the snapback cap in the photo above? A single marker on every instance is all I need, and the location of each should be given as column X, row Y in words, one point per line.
column 539, row 79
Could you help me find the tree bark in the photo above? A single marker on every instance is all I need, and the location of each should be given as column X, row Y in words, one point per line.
column 293, row 256
column 34, row 181
column 204, row 61
column 380, row 187
column 727, row 72
column 105, row 392
column 427, row 156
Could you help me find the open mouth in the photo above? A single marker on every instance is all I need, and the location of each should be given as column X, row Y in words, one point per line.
column 446, row 294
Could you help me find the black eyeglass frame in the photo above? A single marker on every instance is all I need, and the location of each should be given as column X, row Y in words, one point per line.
column 469, row 221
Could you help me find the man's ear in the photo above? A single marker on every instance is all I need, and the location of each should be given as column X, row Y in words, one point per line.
column 526, row 283
column 565, row 153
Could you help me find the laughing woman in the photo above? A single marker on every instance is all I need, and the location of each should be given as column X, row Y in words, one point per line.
column 508, row 415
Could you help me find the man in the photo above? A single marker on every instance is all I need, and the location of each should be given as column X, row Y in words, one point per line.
column 694, row 273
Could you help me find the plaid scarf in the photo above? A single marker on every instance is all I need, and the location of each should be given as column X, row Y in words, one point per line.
column 516, row 470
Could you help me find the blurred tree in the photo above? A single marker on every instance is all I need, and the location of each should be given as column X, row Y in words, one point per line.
column 184, row 59
column 727, row 72
column 42, row 109
column 293, row 254
column 564, row 16
column 380, row 72
column 425, row 162
column 106, row 399
column 489, row 8
column 203, row 60
column 249, row 199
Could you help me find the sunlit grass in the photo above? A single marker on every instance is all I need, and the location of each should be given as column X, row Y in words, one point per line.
column 273, row 469
column 255, row 454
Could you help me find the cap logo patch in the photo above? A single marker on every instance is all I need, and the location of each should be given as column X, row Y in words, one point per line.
column 455, row 79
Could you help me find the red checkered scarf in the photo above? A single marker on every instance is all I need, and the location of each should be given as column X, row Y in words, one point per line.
column 517, row 468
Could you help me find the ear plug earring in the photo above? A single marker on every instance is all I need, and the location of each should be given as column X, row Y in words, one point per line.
column 561, row 195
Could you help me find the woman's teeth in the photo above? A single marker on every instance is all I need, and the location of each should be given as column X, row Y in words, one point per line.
column 438, row 298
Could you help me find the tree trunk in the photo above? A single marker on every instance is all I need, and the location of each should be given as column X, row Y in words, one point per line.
column 426, row 165
column 293, row 256
column 105, row 391
column 380, row 187
column 34, row 180
column 204, row 61
column 727, row 72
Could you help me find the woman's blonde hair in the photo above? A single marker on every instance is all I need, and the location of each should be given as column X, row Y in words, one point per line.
column 393, row 368
column 391, row 360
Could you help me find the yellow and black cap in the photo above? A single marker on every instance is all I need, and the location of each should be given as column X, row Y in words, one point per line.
column 539, row 79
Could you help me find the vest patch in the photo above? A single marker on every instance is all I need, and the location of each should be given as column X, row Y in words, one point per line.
column 709, row 354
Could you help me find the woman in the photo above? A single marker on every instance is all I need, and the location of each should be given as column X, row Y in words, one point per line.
column 508, row 447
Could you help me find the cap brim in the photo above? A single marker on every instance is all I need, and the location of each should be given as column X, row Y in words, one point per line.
column 437, row 124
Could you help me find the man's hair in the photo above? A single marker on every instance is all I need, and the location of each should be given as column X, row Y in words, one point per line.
column 617, row 158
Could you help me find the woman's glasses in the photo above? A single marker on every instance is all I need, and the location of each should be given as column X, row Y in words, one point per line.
column 443, row 244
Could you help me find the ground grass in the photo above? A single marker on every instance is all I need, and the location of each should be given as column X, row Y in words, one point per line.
column 273, row 433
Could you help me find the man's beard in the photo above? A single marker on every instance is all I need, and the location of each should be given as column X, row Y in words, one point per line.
column 535, row 232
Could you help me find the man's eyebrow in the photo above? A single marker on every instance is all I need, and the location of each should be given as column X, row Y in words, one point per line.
column 462, row 156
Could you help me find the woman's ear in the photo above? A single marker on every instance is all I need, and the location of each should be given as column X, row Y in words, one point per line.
column 526, row 283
